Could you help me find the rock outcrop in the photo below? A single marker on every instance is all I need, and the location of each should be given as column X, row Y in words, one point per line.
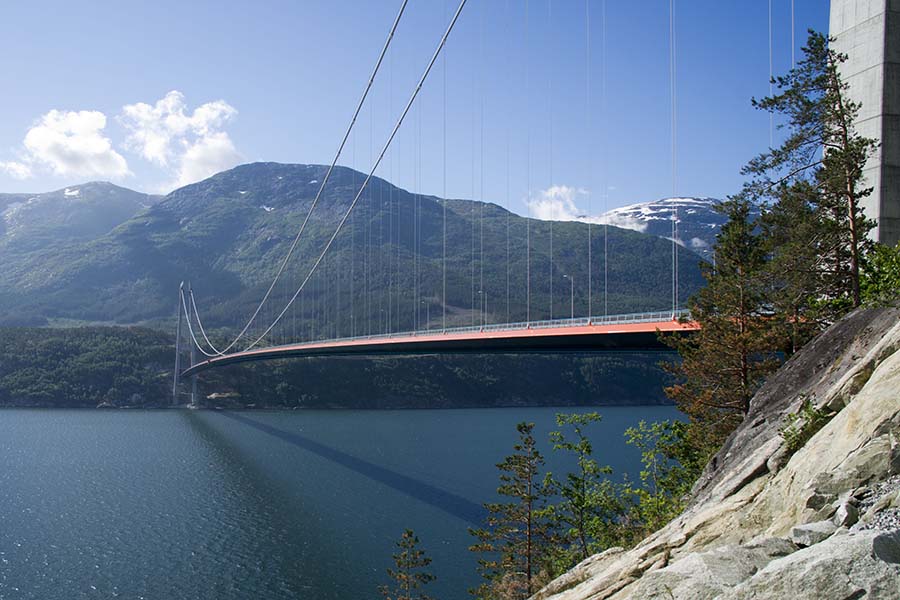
column 764, row 523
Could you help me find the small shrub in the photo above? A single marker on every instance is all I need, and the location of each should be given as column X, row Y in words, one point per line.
column 799, row 427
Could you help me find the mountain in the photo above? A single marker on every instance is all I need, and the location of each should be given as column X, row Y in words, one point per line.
column 698, row 220
column 30, row 222
column 229, row 233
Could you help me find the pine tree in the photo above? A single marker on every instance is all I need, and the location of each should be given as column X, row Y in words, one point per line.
column 515, row 542
column 410, row 574
column 670, row 468
column 824, row 152
column 724, row 363
column 590, row 510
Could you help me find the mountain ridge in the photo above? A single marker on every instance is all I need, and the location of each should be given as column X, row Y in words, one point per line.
column 229, row 233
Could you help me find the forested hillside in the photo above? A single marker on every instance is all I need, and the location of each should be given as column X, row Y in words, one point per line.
column 228, row 234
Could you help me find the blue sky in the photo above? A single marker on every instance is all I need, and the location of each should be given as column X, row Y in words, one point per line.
column 154, row 95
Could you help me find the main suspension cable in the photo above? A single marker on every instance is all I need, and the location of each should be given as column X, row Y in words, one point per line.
column 312, row 207
column 387, row 145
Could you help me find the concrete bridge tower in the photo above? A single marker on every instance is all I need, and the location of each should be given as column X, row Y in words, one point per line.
column 868, row 31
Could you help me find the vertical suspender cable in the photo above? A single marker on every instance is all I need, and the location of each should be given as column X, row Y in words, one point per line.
column 587, row 129
column 368, row 178
column 508, row 53
column 472, row 195
column 527, row 176
column 603, row 182
column 481, row 171
column 793, row 62
column 444, row 191
column 674, row 123
column 353, row 255
column 322, row 185
column 390, row 296
column 550, row 147
column 771, row 71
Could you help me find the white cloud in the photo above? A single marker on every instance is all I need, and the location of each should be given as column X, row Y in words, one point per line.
column 193, row 144
column 556, row 203
column 16, row 170
column 69, row 143
column 621, row 220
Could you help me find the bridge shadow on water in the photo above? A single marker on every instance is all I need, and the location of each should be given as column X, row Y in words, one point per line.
column 448, row 502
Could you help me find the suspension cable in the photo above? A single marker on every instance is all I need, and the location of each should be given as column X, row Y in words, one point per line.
column 508, row 54
column 587, row 129
column 674, row 124
column 444, row 190
column 771, row 71
column 603, row 181
column 387, row 145
column 550, row 146
column 527, row 179
column 312, row 207
column 200, row 324
column 187, row 314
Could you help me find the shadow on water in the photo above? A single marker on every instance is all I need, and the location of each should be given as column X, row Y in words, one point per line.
column 283, row 541
column 448, row 502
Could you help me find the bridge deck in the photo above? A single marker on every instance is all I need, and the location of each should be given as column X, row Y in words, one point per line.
column 626, row 332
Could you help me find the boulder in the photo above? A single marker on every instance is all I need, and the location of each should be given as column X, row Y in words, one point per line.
column 812, row 533
column 706, row 575
column 854, row 565
column 846, row 515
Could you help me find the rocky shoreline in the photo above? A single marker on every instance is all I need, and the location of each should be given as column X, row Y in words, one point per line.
column 768, row 523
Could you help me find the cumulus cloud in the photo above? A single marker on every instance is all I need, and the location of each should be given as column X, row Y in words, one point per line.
column 556, row 203
column 16, row 170
column 193, row 144
column 69, row 143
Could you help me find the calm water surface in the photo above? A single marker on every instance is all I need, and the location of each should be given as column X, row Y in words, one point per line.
column 262, row 505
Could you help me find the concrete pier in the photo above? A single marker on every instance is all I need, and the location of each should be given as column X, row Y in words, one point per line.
column 868, row 31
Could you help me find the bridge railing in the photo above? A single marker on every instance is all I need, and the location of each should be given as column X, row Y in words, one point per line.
column 623, row 319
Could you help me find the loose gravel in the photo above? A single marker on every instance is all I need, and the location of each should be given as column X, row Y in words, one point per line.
column 887, row 519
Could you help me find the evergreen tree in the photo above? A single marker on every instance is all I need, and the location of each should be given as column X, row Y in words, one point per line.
column 823, row 151
column 410, row 574
column 589, row 514
column 881, row 276
column 670, row 468
column 724, row 363
column 517, row 537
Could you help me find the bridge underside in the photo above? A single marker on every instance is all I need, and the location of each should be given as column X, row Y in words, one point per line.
column 586, row 338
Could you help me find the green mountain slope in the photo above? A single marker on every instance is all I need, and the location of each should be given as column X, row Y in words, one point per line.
column 30, row 222
column 227, row 235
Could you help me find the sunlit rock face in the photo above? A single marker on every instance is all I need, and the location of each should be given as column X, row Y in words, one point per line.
column 766, row 524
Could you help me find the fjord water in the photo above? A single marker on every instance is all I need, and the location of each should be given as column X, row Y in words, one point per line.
column 209, row 504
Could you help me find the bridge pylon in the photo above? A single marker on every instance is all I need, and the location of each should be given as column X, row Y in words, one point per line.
column 193, row 362
column 178, row 346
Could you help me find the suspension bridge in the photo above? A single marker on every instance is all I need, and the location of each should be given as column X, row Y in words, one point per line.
column 270, row 332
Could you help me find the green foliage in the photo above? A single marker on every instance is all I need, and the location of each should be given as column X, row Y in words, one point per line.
column 590, row 507
column 516, row 544
column 799, row 427
column 671, row 465
column 778, row 282
column 881, row 276
column 115, row 366
column 410, row 574
column 584, row 513
column 820, row 164
column 133, row 367
column 229, row 232
column 724, row 363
